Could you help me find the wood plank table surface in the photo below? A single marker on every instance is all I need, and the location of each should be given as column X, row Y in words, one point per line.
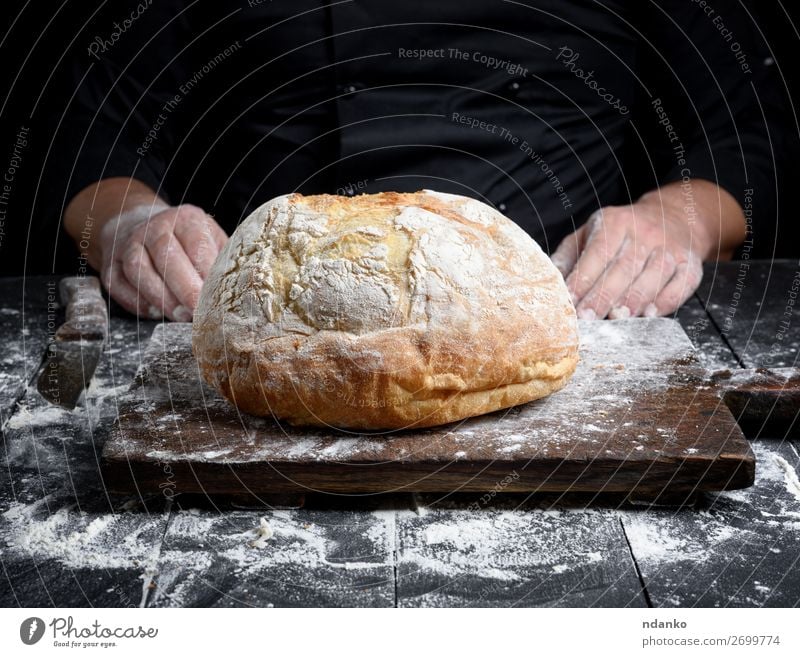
column 66, row 541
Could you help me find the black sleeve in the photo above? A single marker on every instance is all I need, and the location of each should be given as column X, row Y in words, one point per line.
column 706, row 109
column 107, row 128
column 119, row 121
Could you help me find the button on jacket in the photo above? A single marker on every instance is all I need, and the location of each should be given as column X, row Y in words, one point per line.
column 547, row 109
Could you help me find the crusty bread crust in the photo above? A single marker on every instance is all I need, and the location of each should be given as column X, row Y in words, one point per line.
column 383, row 311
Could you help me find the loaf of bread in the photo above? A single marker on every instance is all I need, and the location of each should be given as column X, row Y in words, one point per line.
column 383, row 311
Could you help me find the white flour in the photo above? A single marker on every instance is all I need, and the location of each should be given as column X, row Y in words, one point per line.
column 501, row 545
column 663, row 539
column 789, row 475
column 280, row 544
column 81, row 541
column 595, row 407
column 27, row 417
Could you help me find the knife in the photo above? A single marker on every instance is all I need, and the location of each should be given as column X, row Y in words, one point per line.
column 75, row 350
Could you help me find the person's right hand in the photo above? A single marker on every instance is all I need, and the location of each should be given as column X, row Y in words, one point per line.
column 155, row 259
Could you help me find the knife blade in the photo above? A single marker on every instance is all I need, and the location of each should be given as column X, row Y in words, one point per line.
column 75, row 350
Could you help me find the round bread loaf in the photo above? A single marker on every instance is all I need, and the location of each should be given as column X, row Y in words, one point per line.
column 383, row 311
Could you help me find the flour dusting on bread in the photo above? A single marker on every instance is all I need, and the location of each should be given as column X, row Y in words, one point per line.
column 383, row 311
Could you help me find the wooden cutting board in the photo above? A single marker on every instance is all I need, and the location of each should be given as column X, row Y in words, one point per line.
column 638, row 417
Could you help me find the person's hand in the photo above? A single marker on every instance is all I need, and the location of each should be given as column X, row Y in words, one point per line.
column 633, row 260
column 156, row 257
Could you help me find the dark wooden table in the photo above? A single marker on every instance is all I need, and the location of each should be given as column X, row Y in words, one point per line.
column 65, row 541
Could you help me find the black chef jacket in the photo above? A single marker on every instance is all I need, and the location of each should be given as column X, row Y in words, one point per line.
column 546, row 109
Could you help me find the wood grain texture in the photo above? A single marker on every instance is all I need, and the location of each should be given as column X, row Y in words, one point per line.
column 712, row 351
column 635, row 418
column 733, row 548
column 42, row 438
column 24, row 317
column 64, row 541
column 310, row 558
column 719, row 549
column 510, row 554
column 763, row 401
column 756, row 308
column 63, row 546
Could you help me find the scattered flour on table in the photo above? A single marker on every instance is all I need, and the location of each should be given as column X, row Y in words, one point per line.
column 29, row 416
column 285, row 544
column 656, row 539
column 498, row 545
column 35, row 415
column 79, row 540
column 262, row 534
column 665, row 537
column 789, row 475
column 488, row 544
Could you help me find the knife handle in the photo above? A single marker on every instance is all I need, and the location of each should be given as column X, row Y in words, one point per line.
column 86, row 312
column 762, row 397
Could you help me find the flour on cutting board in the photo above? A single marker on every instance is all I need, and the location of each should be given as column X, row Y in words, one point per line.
column 634, row 343
column 448, row 543
column 619, row 365
column 598, row 413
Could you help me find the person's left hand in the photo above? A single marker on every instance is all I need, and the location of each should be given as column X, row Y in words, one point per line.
column 640, row 259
